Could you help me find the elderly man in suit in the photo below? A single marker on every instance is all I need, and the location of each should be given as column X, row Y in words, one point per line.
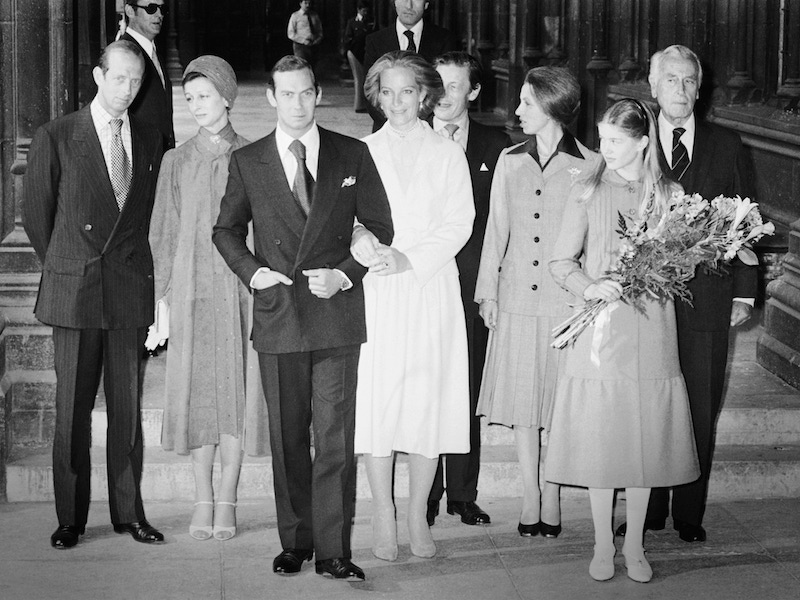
column 153, row 103
column 89, row 191
column 461, row 76
column 709, row 160
column 302, row 187
column 410, row 32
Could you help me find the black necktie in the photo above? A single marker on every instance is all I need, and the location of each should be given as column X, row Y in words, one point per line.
column 303, row 188
column 412, row 47
column 680, row 156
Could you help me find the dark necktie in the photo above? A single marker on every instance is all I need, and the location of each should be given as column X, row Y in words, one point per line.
column 412, row 47
column 310, row 24
column 451, row 130
column 303, row 188
column 120, row 165
column 680, row 156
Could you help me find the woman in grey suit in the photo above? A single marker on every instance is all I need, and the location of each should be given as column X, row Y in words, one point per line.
column 519, row 302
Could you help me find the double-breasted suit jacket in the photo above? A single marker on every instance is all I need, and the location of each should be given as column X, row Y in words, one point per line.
column 718, row 166
column 291, row 318
column 97, row 293
column 435, row 41
column 97, row 266
column 153, row 103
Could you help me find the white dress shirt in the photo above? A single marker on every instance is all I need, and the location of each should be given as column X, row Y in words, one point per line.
column 462, row 133
column 102, row 124
column 665, row 129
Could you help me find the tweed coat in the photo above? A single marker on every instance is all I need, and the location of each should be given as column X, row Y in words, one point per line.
column 524, row 218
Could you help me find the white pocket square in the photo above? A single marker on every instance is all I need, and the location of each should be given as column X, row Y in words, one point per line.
column 348, row 181
column 484, row 167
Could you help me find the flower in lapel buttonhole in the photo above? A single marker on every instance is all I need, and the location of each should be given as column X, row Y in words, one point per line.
column 348, row 181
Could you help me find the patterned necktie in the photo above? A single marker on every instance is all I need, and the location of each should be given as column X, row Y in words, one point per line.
column 680, row 155
column 303, row 189
column 157, row 65
column 412, row 47
column 120, row 165
column 451, row 131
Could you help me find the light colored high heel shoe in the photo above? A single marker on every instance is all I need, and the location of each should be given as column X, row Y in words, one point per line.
column 419, row 534
column 637, row 566
column 602, row 566
column 201, row 532
column 384, row 534
column 225, row 533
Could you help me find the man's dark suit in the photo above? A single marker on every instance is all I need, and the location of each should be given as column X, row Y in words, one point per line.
column 718, row 166
column 435, row 41
column 97, row 293
column 153, row 103
column 308, row 347
column 484, row 145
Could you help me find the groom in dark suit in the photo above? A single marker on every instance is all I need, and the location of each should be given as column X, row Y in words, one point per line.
column 89, row 191
column 709, row 160
column 409, row 32
column 461, row 76
column 302, row 187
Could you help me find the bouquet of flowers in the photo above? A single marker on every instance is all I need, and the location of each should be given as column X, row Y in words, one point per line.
column 660, row 259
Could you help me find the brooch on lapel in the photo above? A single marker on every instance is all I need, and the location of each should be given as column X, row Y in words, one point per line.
column 348, row 181
column 574, row 172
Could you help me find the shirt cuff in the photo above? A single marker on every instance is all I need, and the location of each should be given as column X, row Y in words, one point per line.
column 749, row 301
column 346, row 283
column 260, row 270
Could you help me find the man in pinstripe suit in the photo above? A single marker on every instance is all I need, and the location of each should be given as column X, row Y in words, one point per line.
column 89, row 191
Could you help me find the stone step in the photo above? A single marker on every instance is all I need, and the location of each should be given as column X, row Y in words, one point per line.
column 739, row 472
column 17, row 255
column 19, row 289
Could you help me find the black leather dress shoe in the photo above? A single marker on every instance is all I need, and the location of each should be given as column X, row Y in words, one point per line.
column 529, row 530
column 433, row 512
column 66, row 536
column 290, row 561
column 339, row 568
column 470, row 512
column 690, row 533
column 141, row 531
column 651, row 524
column 549, row 531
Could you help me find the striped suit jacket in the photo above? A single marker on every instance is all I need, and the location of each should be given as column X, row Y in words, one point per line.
column 97, row 265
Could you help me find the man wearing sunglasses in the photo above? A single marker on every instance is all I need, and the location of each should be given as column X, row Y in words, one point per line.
column 154, row 103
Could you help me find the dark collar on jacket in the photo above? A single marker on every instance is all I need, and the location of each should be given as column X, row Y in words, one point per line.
column 566, row 144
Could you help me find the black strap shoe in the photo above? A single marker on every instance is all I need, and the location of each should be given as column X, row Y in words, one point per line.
column 141, row 531
column 66, row 536
column 339, row 568
column 291, row 560
column 470, row 512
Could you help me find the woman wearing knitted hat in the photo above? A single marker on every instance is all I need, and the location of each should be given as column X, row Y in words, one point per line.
column 210, row 380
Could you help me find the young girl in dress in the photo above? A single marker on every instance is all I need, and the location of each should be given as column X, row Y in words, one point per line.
column 621, row 413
